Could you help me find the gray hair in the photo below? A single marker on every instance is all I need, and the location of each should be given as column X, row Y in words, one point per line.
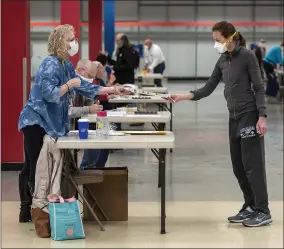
column 84, row 64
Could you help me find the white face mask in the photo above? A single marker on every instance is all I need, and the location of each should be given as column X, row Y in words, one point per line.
column 221, row 48
column 74, row 48
column 87, row 79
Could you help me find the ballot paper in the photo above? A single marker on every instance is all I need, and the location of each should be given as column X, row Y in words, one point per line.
column 114, row 113
column 92, row 133
column 145, row 132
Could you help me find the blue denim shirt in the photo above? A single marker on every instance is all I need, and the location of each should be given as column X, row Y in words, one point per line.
column 45, row 106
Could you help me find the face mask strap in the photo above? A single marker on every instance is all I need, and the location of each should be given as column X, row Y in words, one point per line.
column 231, row 38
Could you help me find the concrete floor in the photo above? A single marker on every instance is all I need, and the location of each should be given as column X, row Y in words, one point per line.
column 199, row 169
column 189, row 225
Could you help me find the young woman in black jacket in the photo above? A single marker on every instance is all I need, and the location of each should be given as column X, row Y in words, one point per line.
column 244, row 92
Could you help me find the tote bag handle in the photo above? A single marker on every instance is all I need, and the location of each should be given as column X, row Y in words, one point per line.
column 56, row 198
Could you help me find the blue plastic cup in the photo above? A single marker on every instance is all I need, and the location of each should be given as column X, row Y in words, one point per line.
column 83, row 126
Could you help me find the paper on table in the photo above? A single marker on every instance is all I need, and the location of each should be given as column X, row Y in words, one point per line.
column 116, row 133
column 145, row 132
column 116, row 113
column 93, row 133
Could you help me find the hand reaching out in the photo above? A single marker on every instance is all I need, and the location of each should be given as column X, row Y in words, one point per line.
column 120, row 90
column 179, row 97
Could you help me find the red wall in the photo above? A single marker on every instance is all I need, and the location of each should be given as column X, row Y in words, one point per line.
column 70, row 14
column 15, row 45
column 95, row 28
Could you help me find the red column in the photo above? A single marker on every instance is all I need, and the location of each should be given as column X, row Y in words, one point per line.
column 15, row 75
column 95, row 28
column 70, row 14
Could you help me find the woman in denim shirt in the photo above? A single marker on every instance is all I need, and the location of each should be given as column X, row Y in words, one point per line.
column 46, row 111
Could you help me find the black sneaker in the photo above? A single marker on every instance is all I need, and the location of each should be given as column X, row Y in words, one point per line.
column 258, row 219
column 241, row 216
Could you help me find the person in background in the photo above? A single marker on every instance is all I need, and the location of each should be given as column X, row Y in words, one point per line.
column 154, row 60
column 272, row 59
column 253, row 47
column 46, row 110
column 109, row 74
column 78, row 104
column 100, row 80
column 244, row 92
column 92, row 158
column 260, row 52
column 125, row 63
column 103, row 59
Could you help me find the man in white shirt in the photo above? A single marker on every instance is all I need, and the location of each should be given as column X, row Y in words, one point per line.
column 154, row 60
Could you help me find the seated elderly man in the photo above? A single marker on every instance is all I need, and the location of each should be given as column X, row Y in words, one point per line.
column 80, row 106
column 108, row 74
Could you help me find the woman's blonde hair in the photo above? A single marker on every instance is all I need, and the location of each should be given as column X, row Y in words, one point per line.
column 56, row 41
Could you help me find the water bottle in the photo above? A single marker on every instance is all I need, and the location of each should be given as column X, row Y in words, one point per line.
column 103, row 125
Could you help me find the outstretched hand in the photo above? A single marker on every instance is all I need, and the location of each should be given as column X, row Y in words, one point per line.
column 179, row 97
column 120, row 90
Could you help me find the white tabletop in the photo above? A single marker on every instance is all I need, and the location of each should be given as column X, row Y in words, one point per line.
column 116, row 117
column 155, row 89
column 129, row 99
column 118, row 142
column 149, row 76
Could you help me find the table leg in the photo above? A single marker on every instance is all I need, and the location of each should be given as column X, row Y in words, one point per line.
column 66, row 154
column 162, row 168
column 161, row 128
column 171, row 121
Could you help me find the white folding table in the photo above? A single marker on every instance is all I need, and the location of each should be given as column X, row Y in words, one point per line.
column 157, row 120
column 158, row 100
column 157, row 143
column 155, row 89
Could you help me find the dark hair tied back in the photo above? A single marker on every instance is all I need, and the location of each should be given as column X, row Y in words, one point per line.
column 241, row 40
column 228, row 30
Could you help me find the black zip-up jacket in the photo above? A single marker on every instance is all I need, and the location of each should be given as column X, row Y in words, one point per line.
column 124, row 65
column 244, row 89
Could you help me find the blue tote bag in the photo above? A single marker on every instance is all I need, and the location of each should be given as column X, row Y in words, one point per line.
column 65, row 219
